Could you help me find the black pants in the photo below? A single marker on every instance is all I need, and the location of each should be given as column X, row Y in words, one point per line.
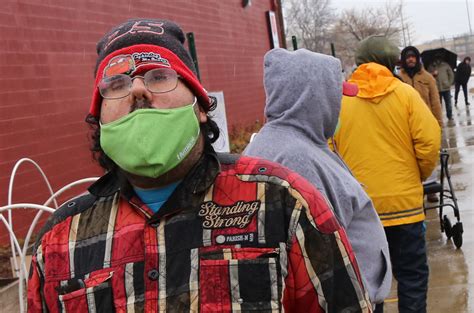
column 410, row 267
column 464, row 90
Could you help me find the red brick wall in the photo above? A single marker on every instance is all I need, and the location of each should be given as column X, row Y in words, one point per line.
column 47, row 56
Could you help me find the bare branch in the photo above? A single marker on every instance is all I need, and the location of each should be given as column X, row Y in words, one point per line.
column 316, row 25
column 310, row 21
column 353, row 25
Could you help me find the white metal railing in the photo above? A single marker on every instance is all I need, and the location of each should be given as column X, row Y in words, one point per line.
column 20, row 268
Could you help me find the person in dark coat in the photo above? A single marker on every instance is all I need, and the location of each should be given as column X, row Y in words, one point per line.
column 413, row 73
column 463, row 73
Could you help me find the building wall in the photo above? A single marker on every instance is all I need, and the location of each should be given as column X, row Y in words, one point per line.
column 47, row 58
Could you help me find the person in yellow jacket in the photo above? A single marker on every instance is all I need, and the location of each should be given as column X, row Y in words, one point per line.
column 391, row 141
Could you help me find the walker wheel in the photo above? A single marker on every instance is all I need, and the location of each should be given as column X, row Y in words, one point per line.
column 448, row 229
column 457, row 231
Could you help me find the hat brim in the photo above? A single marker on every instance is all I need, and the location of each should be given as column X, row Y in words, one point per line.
column 349, row 90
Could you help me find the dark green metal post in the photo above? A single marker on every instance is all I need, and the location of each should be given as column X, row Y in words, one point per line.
column 333, row 50
column 192, row 51
column 295, row 43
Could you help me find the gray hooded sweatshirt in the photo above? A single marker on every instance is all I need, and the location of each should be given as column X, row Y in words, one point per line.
column 304, row 91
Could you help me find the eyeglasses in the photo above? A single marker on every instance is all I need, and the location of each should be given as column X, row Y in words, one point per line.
column 159, row 80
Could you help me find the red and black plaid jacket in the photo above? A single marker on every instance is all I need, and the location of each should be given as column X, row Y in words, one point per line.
column 239, row 234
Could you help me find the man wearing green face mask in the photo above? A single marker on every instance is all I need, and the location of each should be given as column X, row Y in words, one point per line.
column 174, row 227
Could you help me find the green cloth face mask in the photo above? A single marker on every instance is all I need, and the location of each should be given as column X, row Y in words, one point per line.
column 150, row 142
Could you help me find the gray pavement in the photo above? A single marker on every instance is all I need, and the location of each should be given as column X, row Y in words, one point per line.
column 451, row 282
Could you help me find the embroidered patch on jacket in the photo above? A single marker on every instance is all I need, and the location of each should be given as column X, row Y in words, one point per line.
column 237, row 215
column 233, row 239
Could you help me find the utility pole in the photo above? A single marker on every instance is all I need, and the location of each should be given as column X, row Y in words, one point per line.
column 409, row 38
column 403, row 27
column 469, row 18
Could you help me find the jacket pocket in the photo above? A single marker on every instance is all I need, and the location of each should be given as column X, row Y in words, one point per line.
column 93, row 294
column 386, row 282
column 240, row 279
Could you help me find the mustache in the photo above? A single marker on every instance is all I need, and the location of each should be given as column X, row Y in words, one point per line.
column 140, row 104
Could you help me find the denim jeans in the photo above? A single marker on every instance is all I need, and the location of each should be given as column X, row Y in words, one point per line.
column 410, row 266
column 446, row 95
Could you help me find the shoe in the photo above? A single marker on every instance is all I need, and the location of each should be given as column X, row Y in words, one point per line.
column 467, row 103
column 432, row 198
column 456, row 103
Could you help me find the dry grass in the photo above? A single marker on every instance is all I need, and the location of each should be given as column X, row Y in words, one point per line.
column 5, row 255
column 5, row 267
column 239, row 136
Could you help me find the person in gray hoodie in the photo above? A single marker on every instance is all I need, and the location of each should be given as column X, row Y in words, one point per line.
column 304, row 91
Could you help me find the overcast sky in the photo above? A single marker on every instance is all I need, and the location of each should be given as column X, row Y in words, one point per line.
column 431, row 19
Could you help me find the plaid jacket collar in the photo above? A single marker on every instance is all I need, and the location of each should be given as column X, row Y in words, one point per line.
column 186, row 195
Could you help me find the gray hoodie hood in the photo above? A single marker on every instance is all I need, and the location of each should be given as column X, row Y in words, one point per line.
column 310, row 101
column 304, row 91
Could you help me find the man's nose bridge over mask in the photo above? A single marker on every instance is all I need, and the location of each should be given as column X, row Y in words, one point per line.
column 138, row 88
column 141, row 97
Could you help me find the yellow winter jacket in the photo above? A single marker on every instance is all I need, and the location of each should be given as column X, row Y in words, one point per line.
column 390, row 140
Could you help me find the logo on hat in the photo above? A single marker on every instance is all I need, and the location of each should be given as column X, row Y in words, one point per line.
column 128, row 64
column 136, row 28
column 141, row 58
column 121, row 64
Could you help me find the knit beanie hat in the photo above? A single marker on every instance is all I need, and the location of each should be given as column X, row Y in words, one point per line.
column 139, row 45
column 377, row 49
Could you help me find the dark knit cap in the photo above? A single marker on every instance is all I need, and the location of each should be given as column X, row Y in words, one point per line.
column 410, row 50
column 157, row 32
column 147, row 43
column 378, row 49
